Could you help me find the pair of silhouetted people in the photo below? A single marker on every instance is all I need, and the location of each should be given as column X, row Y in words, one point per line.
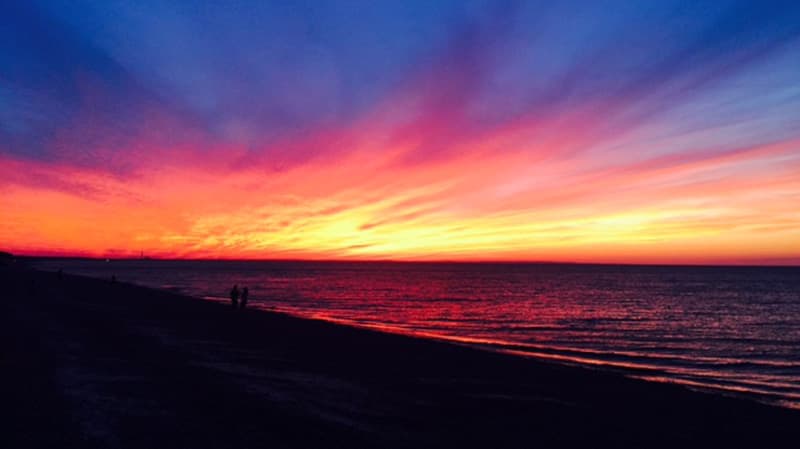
column 236, row 294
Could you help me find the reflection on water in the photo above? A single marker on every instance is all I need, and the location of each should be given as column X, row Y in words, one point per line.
column 735, row 329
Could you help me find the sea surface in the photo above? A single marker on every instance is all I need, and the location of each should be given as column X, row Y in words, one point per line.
column 734, row 330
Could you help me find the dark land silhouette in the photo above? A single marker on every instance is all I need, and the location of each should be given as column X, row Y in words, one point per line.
column 91, row 364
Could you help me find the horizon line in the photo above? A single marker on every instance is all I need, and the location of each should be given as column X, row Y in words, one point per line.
column 409, row 261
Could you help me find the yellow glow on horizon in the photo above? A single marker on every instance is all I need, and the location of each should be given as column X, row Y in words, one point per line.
column 473, row 205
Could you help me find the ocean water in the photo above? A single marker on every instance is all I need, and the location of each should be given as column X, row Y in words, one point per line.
column 734, row 330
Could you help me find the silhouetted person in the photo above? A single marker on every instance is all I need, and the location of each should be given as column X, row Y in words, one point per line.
column 235, row 296
column 60, row 274
column 245, row 292
column 113, row 279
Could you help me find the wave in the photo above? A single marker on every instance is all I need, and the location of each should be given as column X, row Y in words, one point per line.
column 720, row 374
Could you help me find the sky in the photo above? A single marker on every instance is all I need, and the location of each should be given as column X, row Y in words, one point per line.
column 582, row 131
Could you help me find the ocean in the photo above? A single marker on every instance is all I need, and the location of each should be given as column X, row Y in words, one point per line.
column 733, row 330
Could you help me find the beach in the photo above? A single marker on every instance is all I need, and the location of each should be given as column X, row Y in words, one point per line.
column 91, row 363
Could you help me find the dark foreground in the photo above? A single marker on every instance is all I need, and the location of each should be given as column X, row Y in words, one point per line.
column 87, row 363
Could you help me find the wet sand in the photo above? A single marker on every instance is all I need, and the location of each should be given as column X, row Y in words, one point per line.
column 88, row 363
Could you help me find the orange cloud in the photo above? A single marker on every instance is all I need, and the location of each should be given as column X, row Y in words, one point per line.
column 478, row 203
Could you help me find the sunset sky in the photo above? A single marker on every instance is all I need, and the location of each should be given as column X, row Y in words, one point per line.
column 590, row 131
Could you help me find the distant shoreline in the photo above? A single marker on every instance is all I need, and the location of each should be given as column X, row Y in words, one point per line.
column 791, row 264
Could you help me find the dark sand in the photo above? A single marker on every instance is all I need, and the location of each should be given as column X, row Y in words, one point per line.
column 88, row 363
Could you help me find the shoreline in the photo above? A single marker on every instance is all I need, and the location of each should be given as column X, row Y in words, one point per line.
column 120, row 365
column 534, row 352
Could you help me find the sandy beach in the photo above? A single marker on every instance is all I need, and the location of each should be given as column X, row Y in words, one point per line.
column 90, row 363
